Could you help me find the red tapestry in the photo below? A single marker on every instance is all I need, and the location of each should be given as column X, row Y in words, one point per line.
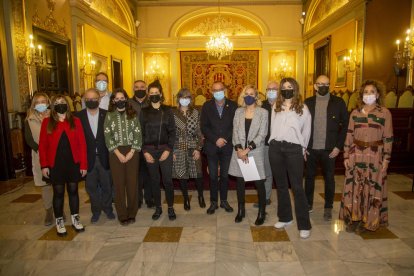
column 199, row 72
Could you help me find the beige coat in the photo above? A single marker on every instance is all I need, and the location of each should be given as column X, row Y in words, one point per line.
column 35, row 124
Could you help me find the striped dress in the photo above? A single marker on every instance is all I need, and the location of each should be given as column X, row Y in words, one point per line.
column 368, row 143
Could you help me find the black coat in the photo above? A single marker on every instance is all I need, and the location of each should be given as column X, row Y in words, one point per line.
column 266, row 105
column 213, row 127
column 336, row 124
column 93, row 143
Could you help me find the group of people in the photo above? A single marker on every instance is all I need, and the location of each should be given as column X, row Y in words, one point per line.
column 117, row 144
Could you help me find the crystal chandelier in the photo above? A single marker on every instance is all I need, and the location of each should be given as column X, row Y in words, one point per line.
column 219, row 45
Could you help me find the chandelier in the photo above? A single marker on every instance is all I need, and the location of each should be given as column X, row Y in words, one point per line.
column 219, row 45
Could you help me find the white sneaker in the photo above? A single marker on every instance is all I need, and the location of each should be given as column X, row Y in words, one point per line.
column 281, row 224
column 304, row 234
column 60, row 227
column 76, row 224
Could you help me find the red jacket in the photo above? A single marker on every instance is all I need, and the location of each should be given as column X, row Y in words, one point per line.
column 48, row 143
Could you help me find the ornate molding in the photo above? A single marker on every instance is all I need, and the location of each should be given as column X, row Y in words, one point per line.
column 49, row 23
column 228, row 26
column 320, row 10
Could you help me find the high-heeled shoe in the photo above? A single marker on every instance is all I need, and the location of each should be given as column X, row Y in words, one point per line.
column 241, row 213
column 261, row 216
column 201, row 202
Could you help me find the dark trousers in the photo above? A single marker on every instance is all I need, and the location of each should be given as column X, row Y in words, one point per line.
column 166, row 171
column 99, row 187
column 221, row 159
column 59, row 196
column 125, row 183
column 328, row 170
column 199, row 184
column 261, row 191
column 286, row 159
column 143, row 183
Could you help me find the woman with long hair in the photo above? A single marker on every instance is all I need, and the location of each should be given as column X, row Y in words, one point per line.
column 289, row 136
column 123, row 139
column 37, row 112
column 187, row 146
column 158, row 131
column 249, row 133
column 367, row 154
column 62, row 152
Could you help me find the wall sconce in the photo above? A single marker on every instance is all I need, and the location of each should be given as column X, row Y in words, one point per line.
column 155, row 72
column 351, row 63
column 404, row 57
column 302, row 19
column 283, row 70
column 34, row 56
column 88, row 70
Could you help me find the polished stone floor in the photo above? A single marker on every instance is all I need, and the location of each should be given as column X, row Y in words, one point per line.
column 201, row 244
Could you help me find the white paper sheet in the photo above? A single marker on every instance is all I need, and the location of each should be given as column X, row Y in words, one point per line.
column 249, row 170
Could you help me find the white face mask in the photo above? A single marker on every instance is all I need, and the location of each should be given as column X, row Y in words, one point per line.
column 272, row 94
column 101, row 85
column 369, row 99
column 184, row 102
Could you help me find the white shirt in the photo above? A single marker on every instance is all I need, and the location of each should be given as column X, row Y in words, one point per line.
column 291, row 127
column 104, row 103
column 93, row 121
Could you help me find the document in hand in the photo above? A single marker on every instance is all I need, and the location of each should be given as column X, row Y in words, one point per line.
column 249, row 170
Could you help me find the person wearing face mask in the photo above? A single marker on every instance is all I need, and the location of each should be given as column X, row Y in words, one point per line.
column 101, row 84
column 98, row 183
column 367, row 154
column 217, row 117
column 289, row 136
column 249, row 133
column 187, row 146
column 63, row 159
column 271, row 94
column 158, row 130
column 329, row 125
column 123, row 137
column 37, row 112
column 139, row 101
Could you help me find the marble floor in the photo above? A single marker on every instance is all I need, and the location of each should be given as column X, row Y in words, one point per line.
column 201, row 244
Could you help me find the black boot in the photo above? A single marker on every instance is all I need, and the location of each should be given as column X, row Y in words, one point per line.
column 241, row 213
column 226, row 206
column 213, row 207
column 157, row 213
column 186, row 203
column 201, row 201
column 261, row 216
column 171, row 213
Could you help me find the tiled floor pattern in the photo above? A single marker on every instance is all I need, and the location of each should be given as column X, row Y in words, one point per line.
column 200, row 244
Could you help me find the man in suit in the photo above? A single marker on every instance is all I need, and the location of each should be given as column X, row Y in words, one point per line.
column 217, row 127
column 98, row 180
column 329, row 126
column 138, row 102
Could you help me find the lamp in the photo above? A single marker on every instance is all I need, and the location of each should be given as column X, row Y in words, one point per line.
column 88, row 70
column 351, row 64
column 155, row 72
column 404, row 57
column 283, row 70
column 33, row 58
column 219, row 45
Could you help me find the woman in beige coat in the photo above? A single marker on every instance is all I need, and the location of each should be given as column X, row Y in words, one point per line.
column 37, row 112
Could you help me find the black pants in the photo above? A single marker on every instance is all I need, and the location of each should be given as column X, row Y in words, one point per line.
column 328, row 170
column 143, row 183
column 166, row 171
column 286, row 159
column 221, row 159
column 184, row 186
column 99, row 187
column 59, row 195
column 261, row 191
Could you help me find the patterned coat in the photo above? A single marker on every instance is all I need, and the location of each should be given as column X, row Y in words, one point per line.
column 188, row 138
column 257, row 134
column 365, row 190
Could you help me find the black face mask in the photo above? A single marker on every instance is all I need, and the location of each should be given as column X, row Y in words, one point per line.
column 323, row 90
column 92, row 104
column 120, row 104
column 286, row 93
column 155, row 98
column 61, row 108
column 140, row 93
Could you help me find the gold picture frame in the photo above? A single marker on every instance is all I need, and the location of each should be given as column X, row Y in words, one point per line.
column 340, row 80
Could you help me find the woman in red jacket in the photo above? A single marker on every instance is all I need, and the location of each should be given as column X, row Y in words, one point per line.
column 62, row 154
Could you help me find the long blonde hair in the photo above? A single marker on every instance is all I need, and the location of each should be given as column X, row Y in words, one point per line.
column 240, row 100
column 32, row 109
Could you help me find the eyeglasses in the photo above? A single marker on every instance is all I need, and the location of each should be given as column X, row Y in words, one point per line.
column 322, row 84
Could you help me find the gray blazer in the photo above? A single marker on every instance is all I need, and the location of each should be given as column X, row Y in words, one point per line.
column 257, row 134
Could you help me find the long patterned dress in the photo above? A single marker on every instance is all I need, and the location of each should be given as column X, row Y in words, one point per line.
column 368, row 143
column 188, row 139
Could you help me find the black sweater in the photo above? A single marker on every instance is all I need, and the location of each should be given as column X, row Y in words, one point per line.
column 153, row 133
